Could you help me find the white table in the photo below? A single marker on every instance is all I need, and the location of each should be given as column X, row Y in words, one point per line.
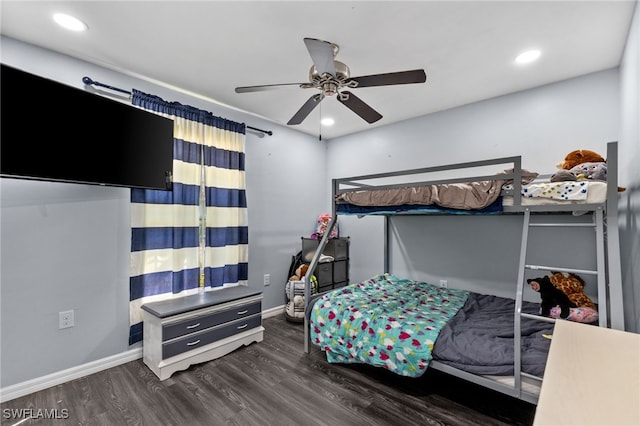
column 592, row 377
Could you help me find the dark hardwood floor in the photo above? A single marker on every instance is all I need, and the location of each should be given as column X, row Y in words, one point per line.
column 268, row 383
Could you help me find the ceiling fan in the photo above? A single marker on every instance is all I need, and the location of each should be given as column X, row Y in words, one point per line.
column 332, row 78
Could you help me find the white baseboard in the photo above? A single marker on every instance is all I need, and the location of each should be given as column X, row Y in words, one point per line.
column 25, row 388
column 273, row 312
column 40, row 383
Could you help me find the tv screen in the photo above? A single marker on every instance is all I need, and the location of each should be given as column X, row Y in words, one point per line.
column 54, row 132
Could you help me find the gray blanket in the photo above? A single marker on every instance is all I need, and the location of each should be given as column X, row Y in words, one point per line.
column 479, row 338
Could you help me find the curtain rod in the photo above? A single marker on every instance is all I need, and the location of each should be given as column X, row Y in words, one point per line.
column 87, row 80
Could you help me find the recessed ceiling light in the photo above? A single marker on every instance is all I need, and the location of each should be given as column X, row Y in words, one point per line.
column 69, row 22
column 327, row 121
column 528, row 56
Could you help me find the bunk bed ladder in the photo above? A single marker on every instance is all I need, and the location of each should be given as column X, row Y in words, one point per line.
column 597, row 224
column 307, row 277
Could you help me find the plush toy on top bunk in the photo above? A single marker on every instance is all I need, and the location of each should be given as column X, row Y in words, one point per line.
column 579, row 156
column 582, row 164
column 563, row 297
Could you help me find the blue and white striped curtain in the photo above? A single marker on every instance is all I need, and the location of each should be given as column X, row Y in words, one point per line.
column 194, row 237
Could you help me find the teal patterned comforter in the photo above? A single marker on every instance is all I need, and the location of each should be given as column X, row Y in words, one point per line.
column 386, row 321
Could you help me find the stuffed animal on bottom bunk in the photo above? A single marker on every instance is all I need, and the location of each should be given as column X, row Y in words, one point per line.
column 573, row 286
column 572, row 304
column 551, row 297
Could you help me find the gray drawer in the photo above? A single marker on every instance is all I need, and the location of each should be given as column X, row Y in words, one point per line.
column 338, row 248
column 202, row 322
column 324, row 273
column 340, row 272
column 205, row 337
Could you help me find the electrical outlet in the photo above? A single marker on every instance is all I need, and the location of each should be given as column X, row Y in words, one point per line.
column 443, row 283
column 267, row 279
column 65, row 319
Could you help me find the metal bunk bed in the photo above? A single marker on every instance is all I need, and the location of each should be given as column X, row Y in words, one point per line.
column 604, row 221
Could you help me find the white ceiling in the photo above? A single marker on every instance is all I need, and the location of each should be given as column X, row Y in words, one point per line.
column 210, row 47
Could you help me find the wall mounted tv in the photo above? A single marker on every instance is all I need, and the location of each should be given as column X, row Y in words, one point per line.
column 54, row 132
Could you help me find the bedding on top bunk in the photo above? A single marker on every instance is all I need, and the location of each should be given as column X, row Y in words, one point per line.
column 401, row 325
column 574, row 192
column 537, row 193
column 475, row 195
column 463, row 196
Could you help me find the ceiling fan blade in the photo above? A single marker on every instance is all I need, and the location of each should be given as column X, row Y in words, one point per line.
column 306, row 109
column 400, row 77
column 264, row 87
column 322, row 54
column 356, row 105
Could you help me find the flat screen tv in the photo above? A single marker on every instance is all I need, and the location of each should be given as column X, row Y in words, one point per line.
column 54, row 132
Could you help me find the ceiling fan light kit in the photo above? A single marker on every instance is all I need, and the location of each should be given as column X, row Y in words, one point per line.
column 331, row 77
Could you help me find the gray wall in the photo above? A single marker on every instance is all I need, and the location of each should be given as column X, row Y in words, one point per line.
column 66, row 246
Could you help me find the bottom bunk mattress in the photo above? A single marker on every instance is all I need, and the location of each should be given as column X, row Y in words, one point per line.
column 401, row 325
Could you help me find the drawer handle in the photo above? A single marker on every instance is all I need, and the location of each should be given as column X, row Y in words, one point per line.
column 193, row 326
column 240, row 327
column 193, row 343
column 243, row 312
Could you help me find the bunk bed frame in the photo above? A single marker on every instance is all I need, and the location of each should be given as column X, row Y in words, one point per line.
column 605, row 223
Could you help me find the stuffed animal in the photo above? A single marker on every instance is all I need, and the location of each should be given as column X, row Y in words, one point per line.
column 301, row 271
column 295, row 307
column 563, row 176
column 323, row 224
column 298, row 301
column 583, row 171
column 580, row 156
column 590, row 170
column 551, row 297
column 573, row 286
column 579, row 314
column 582, row 164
